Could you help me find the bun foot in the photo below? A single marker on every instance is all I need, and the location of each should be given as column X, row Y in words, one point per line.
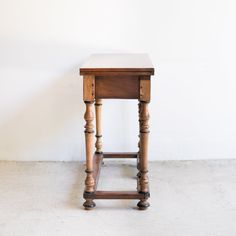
column 143, row 204
column 89, row 204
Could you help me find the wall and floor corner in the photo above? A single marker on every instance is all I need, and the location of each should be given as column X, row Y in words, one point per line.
column 192, row 45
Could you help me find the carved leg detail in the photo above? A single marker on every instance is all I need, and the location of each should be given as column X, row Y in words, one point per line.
column 89, row 181
column 143, row 166
column 98, row 144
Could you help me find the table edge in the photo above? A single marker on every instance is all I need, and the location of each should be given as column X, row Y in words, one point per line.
column 92, row 71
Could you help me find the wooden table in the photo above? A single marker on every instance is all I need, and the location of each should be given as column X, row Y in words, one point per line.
column 116, row 76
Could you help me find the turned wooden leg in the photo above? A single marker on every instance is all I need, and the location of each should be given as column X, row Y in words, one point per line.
column 144, row 132
column 98, row 144
column 89, row 181
column 138, row 156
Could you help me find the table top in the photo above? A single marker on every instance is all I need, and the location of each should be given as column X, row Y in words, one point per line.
column 117, row 63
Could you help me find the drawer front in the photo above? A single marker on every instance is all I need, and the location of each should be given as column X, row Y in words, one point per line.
column 120, row 87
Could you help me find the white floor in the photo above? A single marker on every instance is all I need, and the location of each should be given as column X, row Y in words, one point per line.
column 188, row 198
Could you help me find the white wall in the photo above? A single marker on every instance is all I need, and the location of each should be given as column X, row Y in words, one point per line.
column 191, row 43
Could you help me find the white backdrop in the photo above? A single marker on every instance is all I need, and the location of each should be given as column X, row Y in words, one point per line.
column 191, row 43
